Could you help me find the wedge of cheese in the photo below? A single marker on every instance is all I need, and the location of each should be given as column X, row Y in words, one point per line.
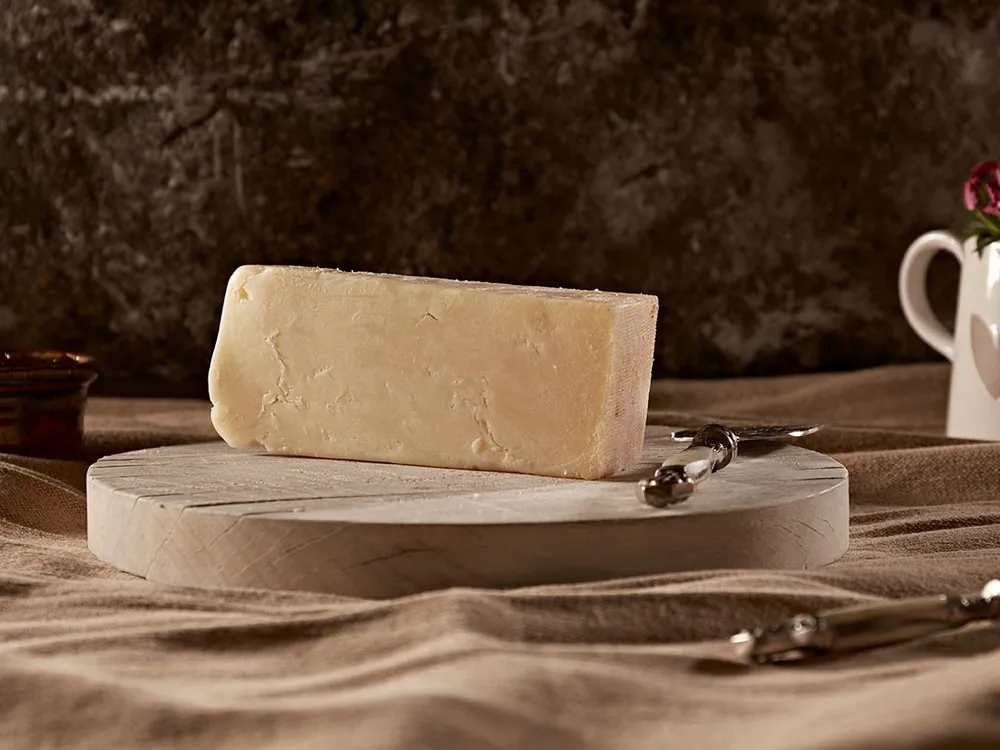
column 398, row 369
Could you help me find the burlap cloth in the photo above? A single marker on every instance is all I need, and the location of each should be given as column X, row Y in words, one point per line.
column 93, row 658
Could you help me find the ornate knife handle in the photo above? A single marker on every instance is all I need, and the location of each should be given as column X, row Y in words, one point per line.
column 711, row 449
column 866, row 626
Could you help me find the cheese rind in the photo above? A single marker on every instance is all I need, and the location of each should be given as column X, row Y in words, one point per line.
column 433, row 372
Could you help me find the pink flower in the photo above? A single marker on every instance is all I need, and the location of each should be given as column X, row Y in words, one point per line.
column 982, row 191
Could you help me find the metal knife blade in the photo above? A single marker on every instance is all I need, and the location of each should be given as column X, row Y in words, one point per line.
column 764, row 432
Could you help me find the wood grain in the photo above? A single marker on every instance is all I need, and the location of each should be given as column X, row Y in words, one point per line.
column 206, row 515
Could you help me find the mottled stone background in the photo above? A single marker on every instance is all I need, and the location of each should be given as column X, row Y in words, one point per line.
column 760, row 165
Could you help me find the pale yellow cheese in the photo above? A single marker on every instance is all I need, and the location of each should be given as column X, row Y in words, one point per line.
column 454, row 374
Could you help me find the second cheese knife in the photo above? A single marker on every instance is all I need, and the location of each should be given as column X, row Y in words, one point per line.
column 712, row 448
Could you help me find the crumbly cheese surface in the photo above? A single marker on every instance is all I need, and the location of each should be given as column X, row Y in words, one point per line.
column 399, row 369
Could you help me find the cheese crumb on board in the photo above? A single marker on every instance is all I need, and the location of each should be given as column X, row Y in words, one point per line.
column 433, row 372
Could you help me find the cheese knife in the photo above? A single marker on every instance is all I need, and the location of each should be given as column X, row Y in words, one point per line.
column 712, row 448
column 866, row 626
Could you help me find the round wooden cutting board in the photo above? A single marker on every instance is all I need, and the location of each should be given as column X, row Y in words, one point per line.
column 209, row 516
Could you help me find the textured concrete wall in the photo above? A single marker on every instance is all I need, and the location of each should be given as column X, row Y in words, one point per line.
column 759, row 165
